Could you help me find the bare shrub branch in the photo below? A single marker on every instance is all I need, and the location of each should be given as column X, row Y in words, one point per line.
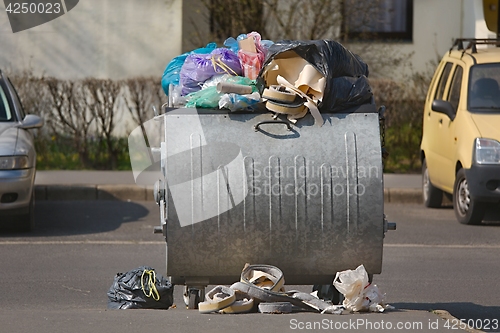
column 103, row 96
column 140, row 95
column 69, row 117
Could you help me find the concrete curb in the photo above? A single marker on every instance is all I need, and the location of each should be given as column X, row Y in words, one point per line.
column 445, row 315
column 137, row 193
column 403, row 195
column 93, row 192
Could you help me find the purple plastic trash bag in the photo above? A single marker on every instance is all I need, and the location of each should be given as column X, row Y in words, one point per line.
column 200, row 67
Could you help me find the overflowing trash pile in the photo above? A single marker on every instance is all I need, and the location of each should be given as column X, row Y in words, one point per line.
column 260, row 289
column 287, row 77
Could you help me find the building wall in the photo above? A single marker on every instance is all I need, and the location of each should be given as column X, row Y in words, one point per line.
column 98, row 38
column 127, row 38
column 436, row 23
column 195, row 25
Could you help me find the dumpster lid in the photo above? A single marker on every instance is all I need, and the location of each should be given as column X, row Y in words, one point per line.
column 363, row 108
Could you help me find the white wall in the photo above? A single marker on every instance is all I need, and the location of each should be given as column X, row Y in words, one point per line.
column 98, row 38
column 473, row 20
column 436, row 23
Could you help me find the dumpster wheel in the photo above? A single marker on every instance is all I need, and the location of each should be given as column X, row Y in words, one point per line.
column 193, row 296
column 194, row 299
column 328, row 292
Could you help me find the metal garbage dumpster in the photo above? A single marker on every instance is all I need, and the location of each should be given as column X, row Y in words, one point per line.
column 248, row 188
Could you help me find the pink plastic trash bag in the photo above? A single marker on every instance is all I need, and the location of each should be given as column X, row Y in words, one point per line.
column 252, row 55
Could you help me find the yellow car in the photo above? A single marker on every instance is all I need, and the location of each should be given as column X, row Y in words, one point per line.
column 460, row 147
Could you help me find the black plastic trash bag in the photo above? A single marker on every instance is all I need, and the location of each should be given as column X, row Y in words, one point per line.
column 345, row 72
column 348, row 92
column 140, row 288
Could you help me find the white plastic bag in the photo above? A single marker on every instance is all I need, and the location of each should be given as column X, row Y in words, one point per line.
column 235, row 102
column 359, row 294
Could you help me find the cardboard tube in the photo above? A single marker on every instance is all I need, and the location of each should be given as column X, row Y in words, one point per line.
column 223, row 87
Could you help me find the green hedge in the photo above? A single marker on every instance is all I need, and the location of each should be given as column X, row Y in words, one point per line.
column 404, row 101
column 81, row 119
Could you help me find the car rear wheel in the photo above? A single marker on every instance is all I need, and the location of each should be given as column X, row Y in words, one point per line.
column 432, row 196
column 467, row 210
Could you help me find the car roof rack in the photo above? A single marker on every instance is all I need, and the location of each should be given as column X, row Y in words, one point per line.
column 473, row 42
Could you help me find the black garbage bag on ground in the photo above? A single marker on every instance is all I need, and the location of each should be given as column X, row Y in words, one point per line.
column 140, row 288
column 345, row 72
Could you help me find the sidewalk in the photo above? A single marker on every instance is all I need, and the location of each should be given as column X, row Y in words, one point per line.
column 90, row 185
column 120, row 185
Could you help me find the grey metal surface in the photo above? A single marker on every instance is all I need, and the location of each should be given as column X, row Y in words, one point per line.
column 309, row 200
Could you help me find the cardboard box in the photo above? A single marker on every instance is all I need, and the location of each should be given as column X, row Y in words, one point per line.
column 247, row 44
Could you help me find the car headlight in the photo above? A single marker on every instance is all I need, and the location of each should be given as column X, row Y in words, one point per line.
column 13, row 162
column 487, row 151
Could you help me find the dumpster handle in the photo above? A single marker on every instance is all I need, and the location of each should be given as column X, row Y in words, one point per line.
column 256, row 126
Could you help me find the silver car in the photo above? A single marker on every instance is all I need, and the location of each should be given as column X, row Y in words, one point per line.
column 17, row 160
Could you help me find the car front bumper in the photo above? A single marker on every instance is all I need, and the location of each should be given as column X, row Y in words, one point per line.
column 484, row 182
column 16, row 184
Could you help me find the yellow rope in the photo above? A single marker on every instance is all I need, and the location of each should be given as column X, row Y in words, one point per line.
column 219, row 63
column 151, row 276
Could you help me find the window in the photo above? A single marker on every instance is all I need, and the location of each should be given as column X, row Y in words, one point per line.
column 443, row 80
column 456, row 84
column 379, row 19
column 16, row 100
column 484, row 90
column 5, row 114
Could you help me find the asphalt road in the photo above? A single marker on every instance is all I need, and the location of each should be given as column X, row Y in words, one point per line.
column 56, row 279
column 433, row 262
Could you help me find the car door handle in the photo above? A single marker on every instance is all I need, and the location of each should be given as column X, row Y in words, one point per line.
column 441, row 120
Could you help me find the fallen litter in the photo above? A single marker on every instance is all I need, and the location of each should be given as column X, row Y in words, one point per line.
column 262, row 285
column 261, row 288
column 359, row 294
column 140, row 288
